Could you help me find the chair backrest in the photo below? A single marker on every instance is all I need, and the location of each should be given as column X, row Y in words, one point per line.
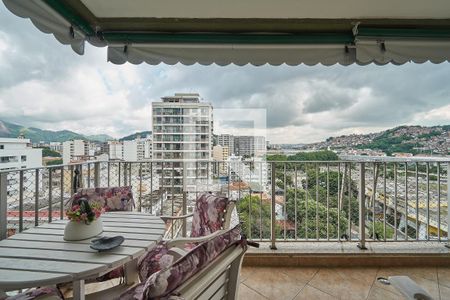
column 212, row 265
column 219, row 280
column 211, row 213
column 110, row 198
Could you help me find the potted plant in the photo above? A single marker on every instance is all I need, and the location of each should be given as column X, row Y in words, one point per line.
column 84, row 221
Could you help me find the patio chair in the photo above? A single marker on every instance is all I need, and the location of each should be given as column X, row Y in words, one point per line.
column 110, row 198
column 211, row 213
column 45, row 293
column 210, row 268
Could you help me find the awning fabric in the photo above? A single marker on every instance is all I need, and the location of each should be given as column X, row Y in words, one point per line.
column 401, row 51
column 292, row 48
column 48, row 21
column 225, row 54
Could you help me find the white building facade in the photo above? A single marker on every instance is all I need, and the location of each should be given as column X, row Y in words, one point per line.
column 182, row 139
column 133, row 150
column 74, row 150
column 18, row 154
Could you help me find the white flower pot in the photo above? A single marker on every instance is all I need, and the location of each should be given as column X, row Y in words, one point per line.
column 76, row 231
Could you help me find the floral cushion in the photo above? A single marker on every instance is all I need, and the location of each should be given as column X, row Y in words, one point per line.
column 46, row 293
column 116, row 273
column 209, row 214
column 112, row 198
column 154, row 260
column 163, row 283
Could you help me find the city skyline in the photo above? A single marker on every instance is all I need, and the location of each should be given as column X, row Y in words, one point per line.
column 51, row 87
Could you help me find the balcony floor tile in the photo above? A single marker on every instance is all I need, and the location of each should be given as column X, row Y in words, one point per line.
column 444, row 276
column 337, row 283
column 333, row 282
column 309, row 292
column 272, row 283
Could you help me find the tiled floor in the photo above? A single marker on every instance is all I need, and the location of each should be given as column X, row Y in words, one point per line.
column 336, row 283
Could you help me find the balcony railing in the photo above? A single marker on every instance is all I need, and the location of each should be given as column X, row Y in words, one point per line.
column 277, row 202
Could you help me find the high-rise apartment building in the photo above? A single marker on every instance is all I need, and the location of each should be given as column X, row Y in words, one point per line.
column 226, row 140
column 182, row 140
column 248, row 145
column 75, row 150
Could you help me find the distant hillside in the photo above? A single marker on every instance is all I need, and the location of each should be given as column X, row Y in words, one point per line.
column 133, row 136
column 100, row 137
column 36, row 135
column 409, row 139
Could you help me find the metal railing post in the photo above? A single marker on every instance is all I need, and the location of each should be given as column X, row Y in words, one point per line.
column 50, row 195
column 3, row 206
column 125, row 174
column 184, row 232
column 140, row 187
column 96, row 174
column 362, row 207
column 36, row 198
column 20, row 201
column 448, row 205
column 273, row 216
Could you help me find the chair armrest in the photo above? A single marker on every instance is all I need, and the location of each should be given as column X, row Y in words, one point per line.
column 167, row 218
column 182, row 241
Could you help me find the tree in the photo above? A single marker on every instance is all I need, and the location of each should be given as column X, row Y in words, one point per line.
column 255, row 214
column 47, row 152
column 312, row 217
column 315, row 183
column 379, row 230
column 54, row 162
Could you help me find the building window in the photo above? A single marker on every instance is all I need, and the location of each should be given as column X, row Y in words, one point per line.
column 2, row 147
column 23, row 158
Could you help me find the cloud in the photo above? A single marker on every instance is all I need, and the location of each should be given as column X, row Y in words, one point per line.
column 45, row 84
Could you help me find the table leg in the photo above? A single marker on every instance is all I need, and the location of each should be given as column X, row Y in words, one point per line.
column 78, row 290
column 131, row 274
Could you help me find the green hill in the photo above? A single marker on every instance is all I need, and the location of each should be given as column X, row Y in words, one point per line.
column 100, row 137
column 36, row 135
column 133, row 136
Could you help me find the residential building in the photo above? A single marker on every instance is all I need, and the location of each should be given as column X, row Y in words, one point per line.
column 249, row 145
column 75, row 150
column 133, row 150
column 115, row 150
column 226, row 140
column 221, row 154
column 182, row 139
column 18, row 154
column 56, row 146
column 253, row 173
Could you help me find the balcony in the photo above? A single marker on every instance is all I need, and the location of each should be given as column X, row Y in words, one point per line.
column 325, row 227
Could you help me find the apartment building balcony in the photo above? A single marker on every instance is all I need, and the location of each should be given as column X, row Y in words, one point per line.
column 323, row 232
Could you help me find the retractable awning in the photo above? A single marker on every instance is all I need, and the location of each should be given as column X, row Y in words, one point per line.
column 253, row 32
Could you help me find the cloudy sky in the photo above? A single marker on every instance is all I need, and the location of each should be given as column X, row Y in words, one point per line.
column 46, row 85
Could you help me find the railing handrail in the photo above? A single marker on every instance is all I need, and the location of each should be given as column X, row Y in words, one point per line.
column 406, row 181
